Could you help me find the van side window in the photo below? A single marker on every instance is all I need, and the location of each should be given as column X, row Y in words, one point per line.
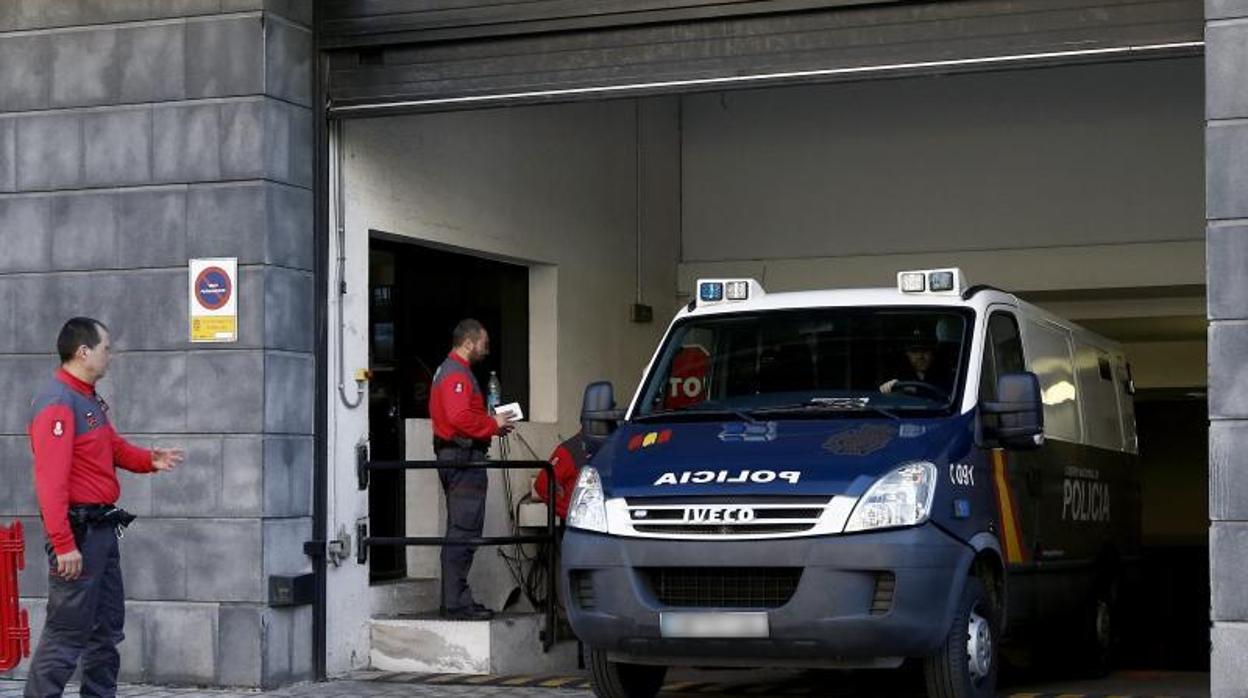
column 1006, row 343
column 1102, row 424
column 1003, row 353
column 988, row 375
column 1107, row 373
column 1050, row 353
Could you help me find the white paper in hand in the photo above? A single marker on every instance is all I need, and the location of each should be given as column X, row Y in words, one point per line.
column 511, row 410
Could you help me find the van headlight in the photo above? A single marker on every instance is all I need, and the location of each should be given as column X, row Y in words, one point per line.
column 900, row 498
column 588, row 508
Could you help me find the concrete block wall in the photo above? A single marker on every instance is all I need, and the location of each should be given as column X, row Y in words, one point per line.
column 135, row 135
column 1226, row 110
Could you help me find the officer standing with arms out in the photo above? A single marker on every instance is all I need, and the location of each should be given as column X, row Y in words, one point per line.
column 461, row 432
column 76, row 452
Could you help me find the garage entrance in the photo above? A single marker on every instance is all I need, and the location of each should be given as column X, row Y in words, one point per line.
column 1077, row 186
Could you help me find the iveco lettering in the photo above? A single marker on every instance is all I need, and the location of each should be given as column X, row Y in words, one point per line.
column 930, row 471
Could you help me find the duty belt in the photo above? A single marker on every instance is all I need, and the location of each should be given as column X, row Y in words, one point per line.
column 92, row 515
column 460, row 443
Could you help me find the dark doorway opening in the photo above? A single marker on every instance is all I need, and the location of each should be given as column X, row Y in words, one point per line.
column 418, row 294
column 1173, row 616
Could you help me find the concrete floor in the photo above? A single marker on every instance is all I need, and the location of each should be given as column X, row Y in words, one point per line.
column 1138, row 684
column 1133, row 683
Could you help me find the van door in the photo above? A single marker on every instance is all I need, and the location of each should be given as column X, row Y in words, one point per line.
column 1016, row 475
column 1073, row 498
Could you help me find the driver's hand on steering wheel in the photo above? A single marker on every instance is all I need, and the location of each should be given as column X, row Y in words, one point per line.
column 887, row 387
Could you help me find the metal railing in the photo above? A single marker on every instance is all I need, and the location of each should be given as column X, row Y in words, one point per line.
column 364, row 467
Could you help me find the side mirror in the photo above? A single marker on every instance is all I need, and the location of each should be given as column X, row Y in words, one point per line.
column 599, row 418
column 1015, row 420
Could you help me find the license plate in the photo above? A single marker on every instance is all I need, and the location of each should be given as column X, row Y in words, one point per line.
column 713, row 624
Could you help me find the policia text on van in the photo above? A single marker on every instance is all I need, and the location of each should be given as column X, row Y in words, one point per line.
column 853, row 478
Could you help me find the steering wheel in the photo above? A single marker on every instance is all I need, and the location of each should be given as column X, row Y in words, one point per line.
column 920, row 389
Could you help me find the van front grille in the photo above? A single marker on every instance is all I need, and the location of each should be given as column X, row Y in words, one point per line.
column 722, row 587
column 724, row 529
column 712, row 516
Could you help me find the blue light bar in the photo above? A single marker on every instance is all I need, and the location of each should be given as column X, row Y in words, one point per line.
column 711, row 291
column 940, row 281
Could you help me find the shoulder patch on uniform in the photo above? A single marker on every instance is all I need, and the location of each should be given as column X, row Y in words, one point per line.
column 459, row 387
column 58, row 428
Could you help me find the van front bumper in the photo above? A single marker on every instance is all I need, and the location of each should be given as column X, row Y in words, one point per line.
column 839, row 613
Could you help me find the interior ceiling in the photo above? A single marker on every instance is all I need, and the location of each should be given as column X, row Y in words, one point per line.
column 1143, row 314
column 1150, row 329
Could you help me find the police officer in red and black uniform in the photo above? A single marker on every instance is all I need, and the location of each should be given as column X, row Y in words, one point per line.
column 568, row 458
column 76, row 453
column 462, row 430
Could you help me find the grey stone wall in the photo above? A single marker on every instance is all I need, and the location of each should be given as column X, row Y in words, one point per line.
column 1226, row 108
column 135, row 135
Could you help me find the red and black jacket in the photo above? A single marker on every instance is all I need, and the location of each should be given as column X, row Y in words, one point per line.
column 568, row 459
column 76, row 453
column 456, row 404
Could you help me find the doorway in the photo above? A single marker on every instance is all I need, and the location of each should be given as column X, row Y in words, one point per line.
column 1173, row 425
column 417, row 295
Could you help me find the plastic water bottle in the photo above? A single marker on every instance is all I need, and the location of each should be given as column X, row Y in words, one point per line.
column 493, row 393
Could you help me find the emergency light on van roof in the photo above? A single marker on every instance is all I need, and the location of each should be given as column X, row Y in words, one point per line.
column 712, row 291
column 942, row 281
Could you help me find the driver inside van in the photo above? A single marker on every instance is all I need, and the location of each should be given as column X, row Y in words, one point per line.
column 921, row 376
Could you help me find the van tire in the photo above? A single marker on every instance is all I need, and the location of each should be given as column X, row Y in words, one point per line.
column 948, row 672
column 619, row 680
column 1094, row 650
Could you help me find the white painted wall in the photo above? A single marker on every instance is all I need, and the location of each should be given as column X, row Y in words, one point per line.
column 348, row 599
column 559, row 188
column 550, row 186
column 1098, row 154
column 1177, row 364
column 1180, row 263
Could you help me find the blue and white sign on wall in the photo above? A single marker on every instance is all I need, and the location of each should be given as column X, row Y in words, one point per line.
column 214, row 299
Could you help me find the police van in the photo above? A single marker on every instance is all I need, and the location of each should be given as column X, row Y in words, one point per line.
column 854, row 479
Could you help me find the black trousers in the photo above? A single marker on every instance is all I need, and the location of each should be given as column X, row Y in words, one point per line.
column 86, row 618
column 465, row 491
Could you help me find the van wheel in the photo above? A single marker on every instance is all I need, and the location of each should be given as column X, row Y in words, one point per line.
column 966, row 665
column 619, row 680
column 1097, row 632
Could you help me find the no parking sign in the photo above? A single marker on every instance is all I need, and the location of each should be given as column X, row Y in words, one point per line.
column 214, row 300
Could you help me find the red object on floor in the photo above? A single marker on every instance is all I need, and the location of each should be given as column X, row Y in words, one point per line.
column 14, row 624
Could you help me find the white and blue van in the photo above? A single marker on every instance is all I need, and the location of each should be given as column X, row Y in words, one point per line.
column 853, row 479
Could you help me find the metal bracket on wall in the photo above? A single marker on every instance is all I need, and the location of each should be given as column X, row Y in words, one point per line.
column 361, row 464
column 335, row 551
column 339, row 549
column 361, row 535
column 292, row 590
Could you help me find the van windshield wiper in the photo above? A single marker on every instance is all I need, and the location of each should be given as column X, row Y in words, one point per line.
column 697, row 415
column 828, row 404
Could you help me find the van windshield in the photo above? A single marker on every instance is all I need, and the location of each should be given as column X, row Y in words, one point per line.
column 798, row 363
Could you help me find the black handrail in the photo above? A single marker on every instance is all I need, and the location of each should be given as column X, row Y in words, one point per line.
column 365, row 467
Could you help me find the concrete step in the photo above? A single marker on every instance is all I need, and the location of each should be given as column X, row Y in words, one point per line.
column 405, row 597
column 508, row 644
